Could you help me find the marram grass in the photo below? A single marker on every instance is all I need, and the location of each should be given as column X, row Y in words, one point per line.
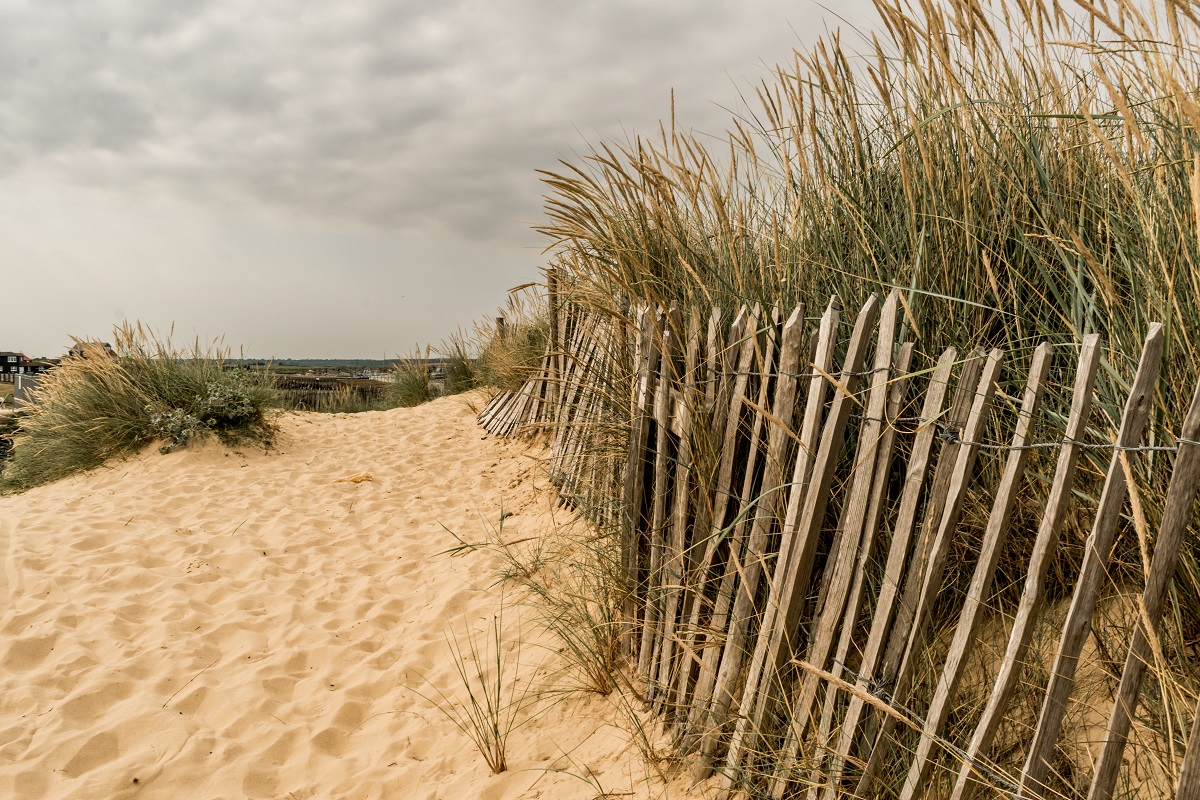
column 1022, row 170
column 93, row 407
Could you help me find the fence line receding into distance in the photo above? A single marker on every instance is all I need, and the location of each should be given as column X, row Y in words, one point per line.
column 788, row 500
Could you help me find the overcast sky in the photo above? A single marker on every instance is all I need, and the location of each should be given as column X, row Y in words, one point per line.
column 327, row 179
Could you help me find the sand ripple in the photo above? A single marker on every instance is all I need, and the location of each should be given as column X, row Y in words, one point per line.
column 210, row 624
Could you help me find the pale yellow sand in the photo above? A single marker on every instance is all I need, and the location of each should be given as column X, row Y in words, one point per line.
column 209, row 624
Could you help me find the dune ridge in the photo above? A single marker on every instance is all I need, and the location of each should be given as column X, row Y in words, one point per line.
column 221, row 624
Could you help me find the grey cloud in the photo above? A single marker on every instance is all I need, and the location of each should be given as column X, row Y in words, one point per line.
column 400, row 115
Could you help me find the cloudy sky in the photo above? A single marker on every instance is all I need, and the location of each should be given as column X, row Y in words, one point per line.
column 316, row 179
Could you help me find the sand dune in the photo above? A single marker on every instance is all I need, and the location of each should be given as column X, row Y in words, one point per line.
column 214, row 624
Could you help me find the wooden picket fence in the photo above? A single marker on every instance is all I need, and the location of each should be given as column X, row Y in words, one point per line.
column 786, row 521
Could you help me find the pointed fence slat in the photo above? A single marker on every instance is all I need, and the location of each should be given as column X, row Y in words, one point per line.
column 896, row 395
column 821, row 363
column 720, row 360
column 1044, row 548
column 678, row 545
column 1177, row 514
column 775, row 645
column 869, row 462
column 694, row 636
column 734, row 536
column 981, row 581
column 663, row 407
column 766, row 513
column 631, row 499
column 1096, row 552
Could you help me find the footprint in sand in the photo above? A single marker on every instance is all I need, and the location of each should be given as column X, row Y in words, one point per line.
column 25, row 654
column 84, row 710
column 262, row 779
column 96, row 752
column 280, row 689
column 331, row 742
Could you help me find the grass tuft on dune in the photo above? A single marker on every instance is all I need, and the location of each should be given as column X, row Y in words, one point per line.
column 94, row 407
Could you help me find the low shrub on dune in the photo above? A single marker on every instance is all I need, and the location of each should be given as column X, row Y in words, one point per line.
column 94, row 407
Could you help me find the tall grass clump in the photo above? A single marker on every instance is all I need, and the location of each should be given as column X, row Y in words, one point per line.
column 497, row 354
column 412, row 380
column 459, row 358
column 94, row 407
column 513, row 344
column 493, row 703
column 1022, row 170
column 573, row 578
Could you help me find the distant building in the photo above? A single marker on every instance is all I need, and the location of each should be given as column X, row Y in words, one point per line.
column 14, row 364
column 89, row 349
column 11, row 365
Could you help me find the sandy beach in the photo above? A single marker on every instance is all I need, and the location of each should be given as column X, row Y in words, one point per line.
column 222, row 624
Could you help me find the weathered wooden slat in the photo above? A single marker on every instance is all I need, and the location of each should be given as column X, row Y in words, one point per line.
column 868, row 459
column 709, row 375
column 733, row 533
column 981, row 580
column 667, row 376
column 914, row 481
column 580, row 410
column 716, row 377
column 1095, row 559
column 896, row 393
column 821, row 360
column 555, row 345
column 790, row 583
column 939, row 488
column 1044, row 547
column 732, row 423
column 687, row 404
column 931, row 582
column 712, row 361
column 631, row 496
column 534, row 390
column 1188, row 787
column 766, row 512
column 1177, row 514
column 489, row 410
column 724, row 344
column 579, row 354
column 575, row 421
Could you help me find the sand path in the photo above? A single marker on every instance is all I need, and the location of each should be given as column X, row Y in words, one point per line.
column 211, row 624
